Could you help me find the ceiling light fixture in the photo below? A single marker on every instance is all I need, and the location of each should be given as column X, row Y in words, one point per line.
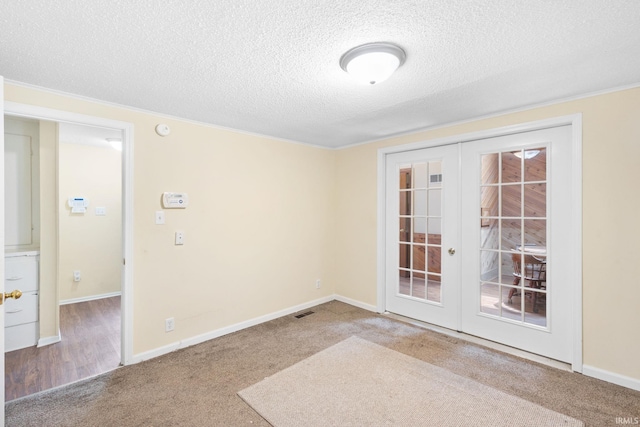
column 373, row 62
column 528, row 154
column 115, row 143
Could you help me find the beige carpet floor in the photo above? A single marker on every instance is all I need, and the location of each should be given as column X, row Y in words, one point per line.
column 359, row 383
column 198, row 386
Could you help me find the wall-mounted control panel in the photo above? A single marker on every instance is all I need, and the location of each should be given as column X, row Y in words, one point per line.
column 175, row 200
column 78, row 204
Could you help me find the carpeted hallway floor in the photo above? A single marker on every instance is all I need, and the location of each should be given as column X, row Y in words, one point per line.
column 197, row 386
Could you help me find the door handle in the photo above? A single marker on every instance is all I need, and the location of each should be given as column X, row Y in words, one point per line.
column 14, row 294
column 451, row 251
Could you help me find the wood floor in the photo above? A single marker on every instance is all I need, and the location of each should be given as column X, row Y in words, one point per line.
column 90, row 345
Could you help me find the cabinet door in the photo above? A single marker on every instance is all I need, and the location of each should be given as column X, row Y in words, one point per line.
column 23, row 310
column 21, row 273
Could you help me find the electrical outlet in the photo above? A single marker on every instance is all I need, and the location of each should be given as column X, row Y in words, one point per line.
column 169, row 324
column 179, row 237
column 76, row 275
column 318, row 283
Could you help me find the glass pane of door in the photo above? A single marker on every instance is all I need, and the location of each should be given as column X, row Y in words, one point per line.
column 513, row 235
column 420, row 235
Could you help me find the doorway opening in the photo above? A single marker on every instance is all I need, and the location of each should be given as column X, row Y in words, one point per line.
column 88, row 303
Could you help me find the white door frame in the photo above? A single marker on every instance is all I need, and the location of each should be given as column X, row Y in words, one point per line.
column 575, row 121
column 41, row 113
column 2, row 252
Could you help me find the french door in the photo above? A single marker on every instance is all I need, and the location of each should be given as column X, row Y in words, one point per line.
column 516, row 223
column 422, row 208
column 491, row 219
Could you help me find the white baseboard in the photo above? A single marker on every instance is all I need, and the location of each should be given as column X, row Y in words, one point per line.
column 49, row 340
column 611, row 377
column 601, row 374
column 227, row 330
column 90, row 298
column 356, row 303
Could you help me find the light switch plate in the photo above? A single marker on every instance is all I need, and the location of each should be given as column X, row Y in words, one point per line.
column 179, row 237
column 159, row 217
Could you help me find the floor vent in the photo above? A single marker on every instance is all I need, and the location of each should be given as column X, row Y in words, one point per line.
column 300, row 316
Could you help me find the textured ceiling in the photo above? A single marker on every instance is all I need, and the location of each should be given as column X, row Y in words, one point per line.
column 271, row 67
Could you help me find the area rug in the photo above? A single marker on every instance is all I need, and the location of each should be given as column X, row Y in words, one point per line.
column 359, row 383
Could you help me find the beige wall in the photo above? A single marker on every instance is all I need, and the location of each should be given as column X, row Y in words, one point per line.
column 257, row 226
column 611, row 149
column 88, row 242
column 49, row 313
column 267, row 217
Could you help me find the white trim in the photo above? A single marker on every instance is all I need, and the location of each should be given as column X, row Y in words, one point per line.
column 161, row 115
column 601, row 374
column 340, row 147
column 157, row 352
column 381, row 230
column 493, row 115
column 140, row 357
column 611, row 377
column 49, row 340
column 126, row 302
column 576, row 245
column 575, row 121
column 485, row 134
column 37, row 112
column 90, row 298
column 2, row 332
column 356, row 303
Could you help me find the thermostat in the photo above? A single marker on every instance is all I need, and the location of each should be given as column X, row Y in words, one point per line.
column 175, row 200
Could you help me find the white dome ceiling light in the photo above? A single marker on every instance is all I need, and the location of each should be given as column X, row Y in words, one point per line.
column 528, row 154
column 373, row 63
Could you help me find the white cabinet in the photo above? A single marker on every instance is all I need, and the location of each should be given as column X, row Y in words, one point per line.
column 21, row 315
